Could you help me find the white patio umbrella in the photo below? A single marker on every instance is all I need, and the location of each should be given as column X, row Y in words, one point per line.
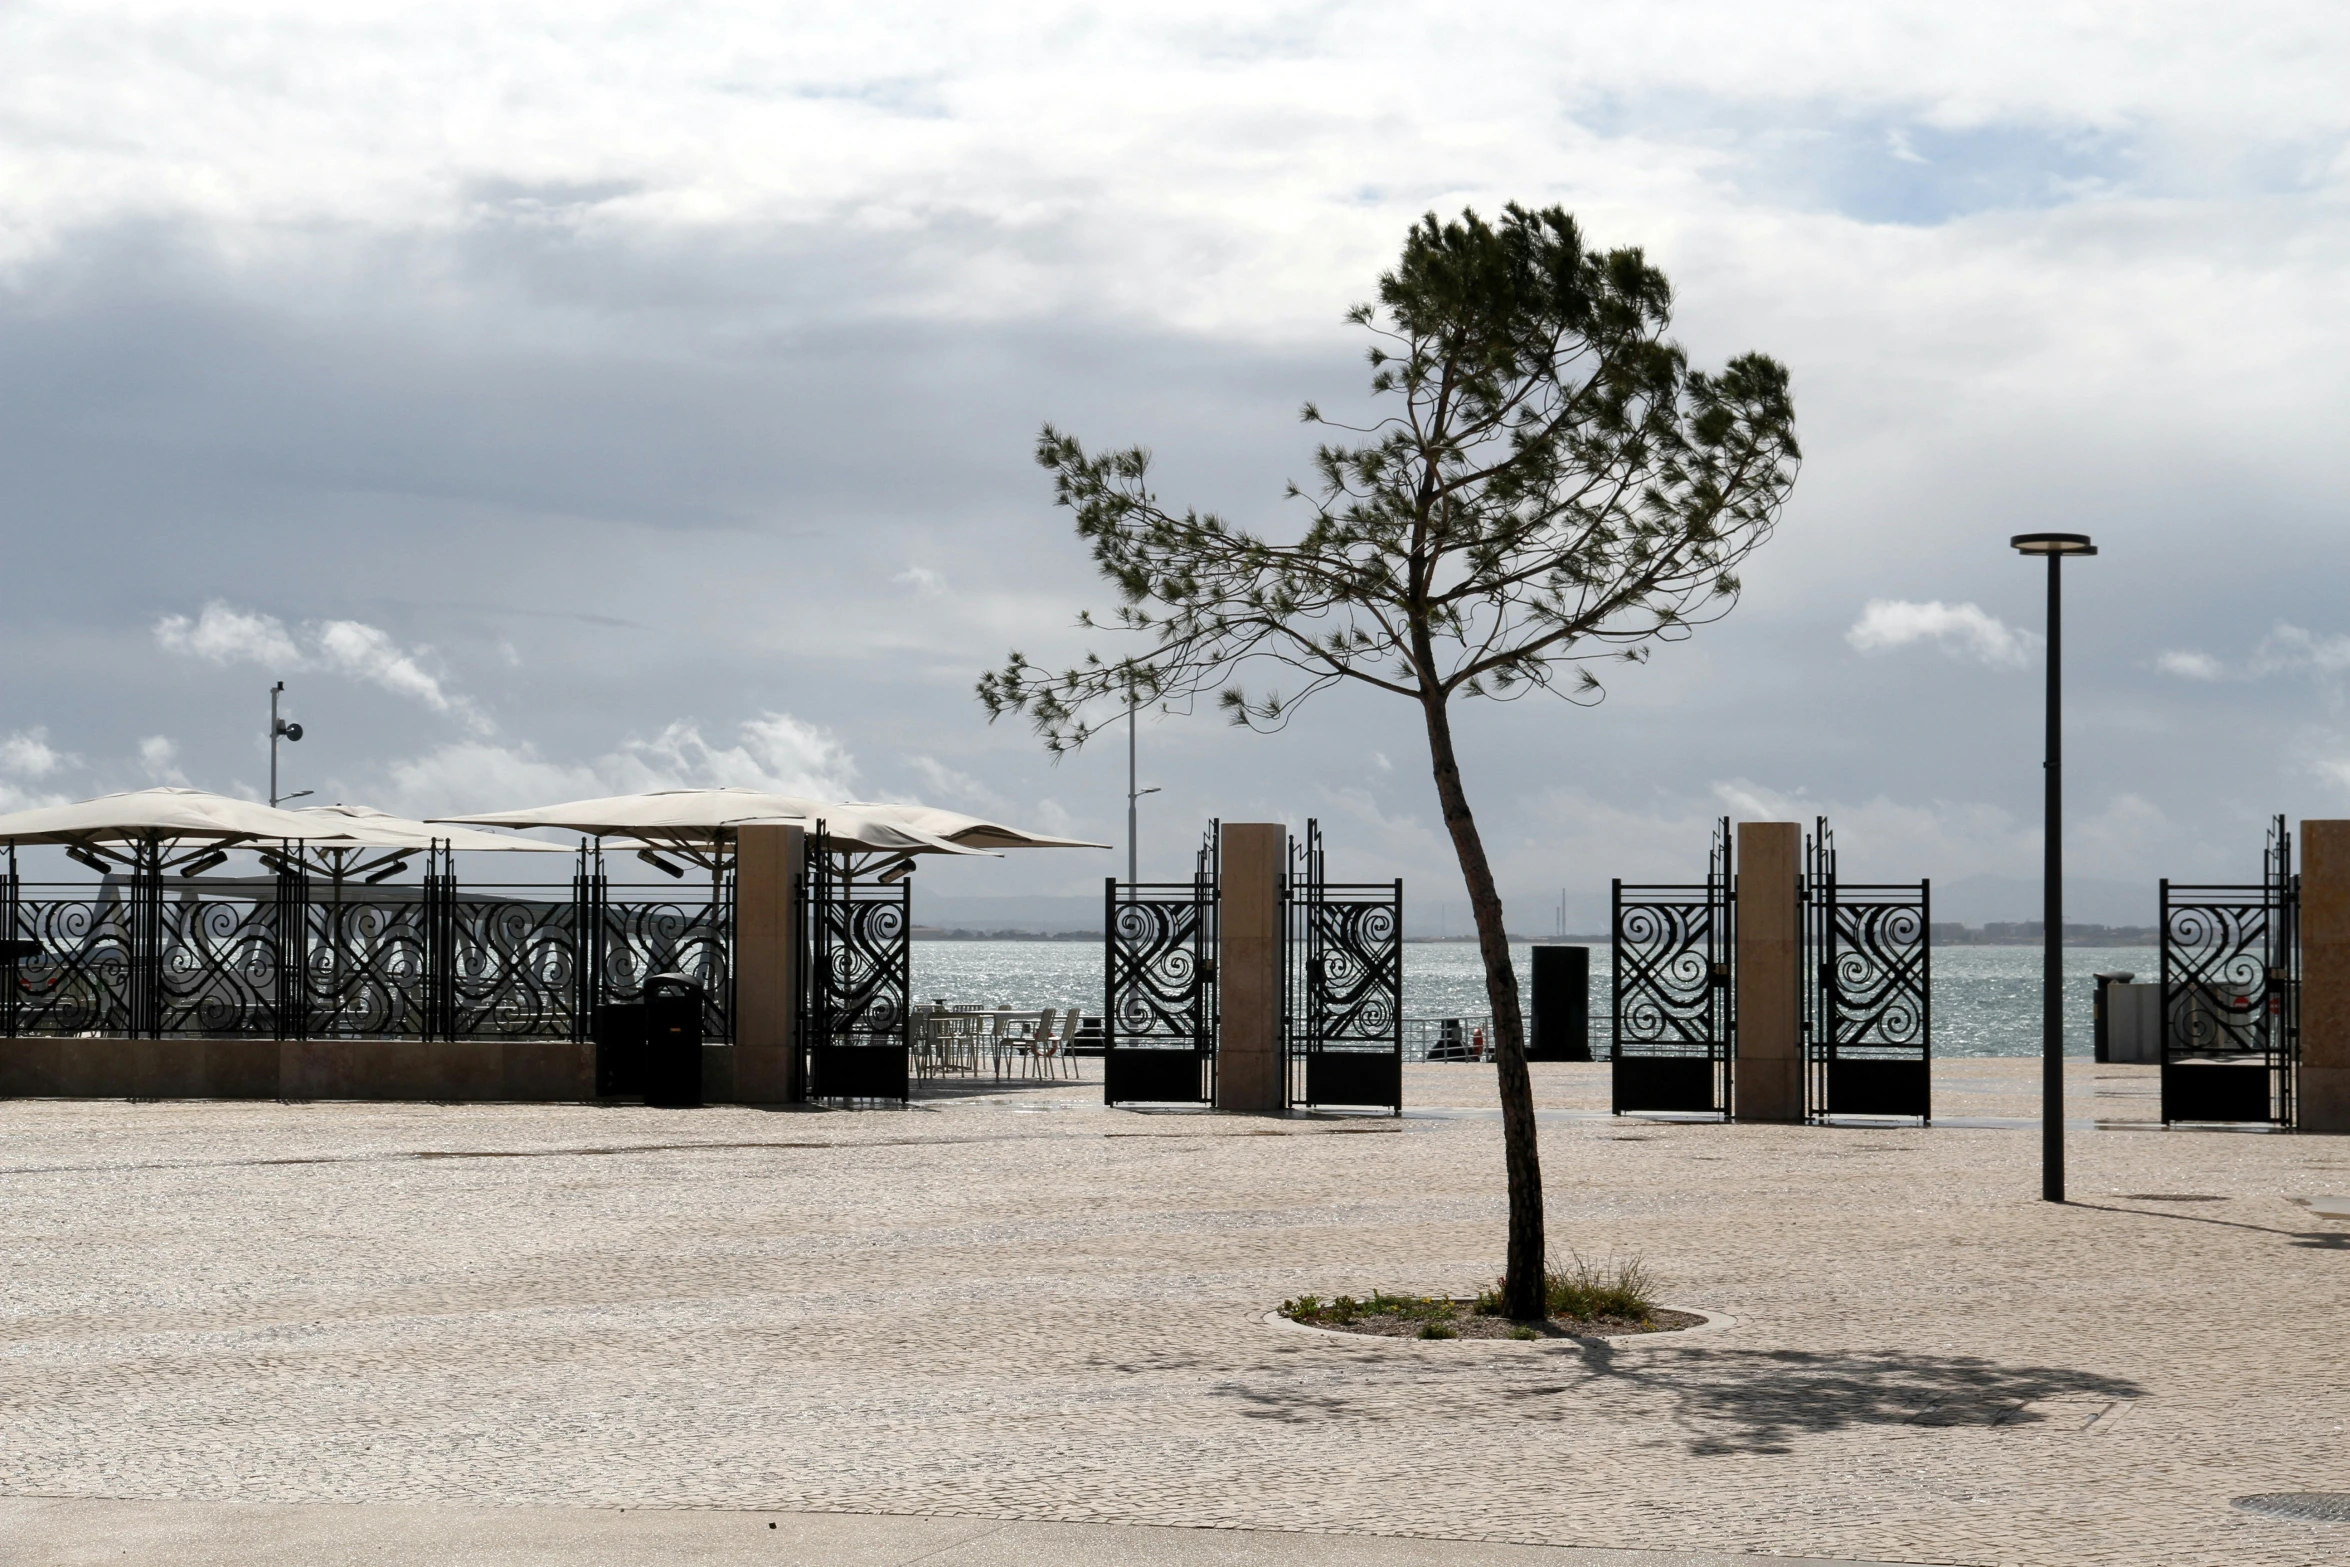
column 380, row 844
column 693, row 822
column 169, row 815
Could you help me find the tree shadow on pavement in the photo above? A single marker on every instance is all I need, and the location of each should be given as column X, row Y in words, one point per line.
column 1759, row 1401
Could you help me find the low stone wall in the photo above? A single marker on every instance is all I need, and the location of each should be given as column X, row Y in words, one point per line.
column 464, row 1070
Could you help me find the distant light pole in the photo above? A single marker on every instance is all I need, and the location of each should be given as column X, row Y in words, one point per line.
column 280, row 729
column 2056, row 546
column 1133, row 849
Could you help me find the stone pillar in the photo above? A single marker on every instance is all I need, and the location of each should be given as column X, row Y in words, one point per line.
column 1248, row 967
column 1769, row 1081
column 2325, row 977
column 766, row 964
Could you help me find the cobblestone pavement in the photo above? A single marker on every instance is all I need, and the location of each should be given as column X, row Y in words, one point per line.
column 1019, row 1305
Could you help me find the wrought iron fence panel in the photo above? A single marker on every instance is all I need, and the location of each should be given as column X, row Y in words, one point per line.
column 2231, row 994
column 1159, row 1011
column 365, row 965
column 1160, row 957
column 1670, row 998
column 218, row 962
column 515, row 968
column 1670, row 1013
column 1341, row 984
column 642, row 937
column 72, row 963
column 1878, row 971
column 1867, row 1014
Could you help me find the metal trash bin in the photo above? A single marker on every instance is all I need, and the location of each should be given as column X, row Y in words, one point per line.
column 620, row 1050
column 673, row 1042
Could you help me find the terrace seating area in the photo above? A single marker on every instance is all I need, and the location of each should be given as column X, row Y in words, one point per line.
column 950, row 1040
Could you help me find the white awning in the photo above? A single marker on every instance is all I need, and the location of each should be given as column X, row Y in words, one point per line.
column 374, row 829
column 703, row 813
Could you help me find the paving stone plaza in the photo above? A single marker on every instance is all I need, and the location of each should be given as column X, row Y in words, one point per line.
column 1018, row 1305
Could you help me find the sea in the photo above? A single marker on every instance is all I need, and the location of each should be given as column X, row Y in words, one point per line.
column 1986, row 1000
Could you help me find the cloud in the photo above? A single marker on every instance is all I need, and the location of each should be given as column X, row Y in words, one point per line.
column 953, row 789
column 924, row 581
column 1961, row 629
column 2293, row 649
column 223, row 634
column 2190, row 666
column 159, row 758
column 774, row 751
column 28, row 754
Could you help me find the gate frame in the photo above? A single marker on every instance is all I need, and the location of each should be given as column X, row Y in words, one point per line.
column 1338, row 1037
column 1136, row 1074
column 830, row 1069
column 1663, row 1089
column 2278, row 896
column 1821, row 904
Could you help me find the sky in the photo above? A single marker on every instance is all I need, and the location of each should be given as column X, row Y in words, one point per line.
column 564, row 399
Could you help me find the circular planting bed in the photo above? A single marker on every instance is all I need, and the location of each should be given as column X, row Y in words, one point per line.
column 1382, row 1315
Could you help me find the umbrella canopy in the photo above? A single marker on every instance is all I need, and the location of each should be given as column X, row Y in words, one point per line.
column 700, row 815
column 370, row 828
column 972, row 832
column 167, row 814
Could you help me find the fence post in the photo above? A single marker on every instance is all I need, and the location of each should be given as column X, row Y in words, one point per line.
column 2324, row 1098
column 1769, row 982
column 766, row 957
column 1248, row 968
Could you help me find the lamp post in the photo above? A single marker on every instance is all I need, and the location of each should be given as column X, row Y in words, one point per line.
column 2055, row 546
column 1133, row 851
column 280, row 729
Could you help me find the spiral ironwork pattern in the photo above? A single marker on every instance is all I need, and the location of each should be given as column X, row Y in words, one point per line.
column 1158, row 961
column 1670, row 943
column 392, row 963
column 2217, row 957
column 1877, row 975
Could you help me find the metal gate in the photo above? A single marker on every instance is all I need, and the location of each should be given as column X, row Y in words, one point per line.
column 1159, row 1017
column 1868, row 1011
column 856, row 976
column 2231, row 994
column 1341, row 983
column 1673, row 1014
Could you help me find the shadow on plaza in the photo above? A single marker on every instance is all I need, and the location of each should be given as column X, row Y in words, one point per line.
column 1759, row 1401
column 1727, row 1402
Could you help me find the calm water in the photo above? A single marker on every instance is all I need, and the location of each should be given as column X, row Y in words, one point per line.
column 1986, row 999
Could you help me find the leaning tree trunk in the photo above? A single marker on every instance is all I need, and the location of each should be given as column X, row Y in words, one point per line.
column 1522, row 1285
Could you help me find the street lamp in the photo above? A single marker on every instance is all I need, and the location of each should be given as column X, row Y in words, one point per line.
column 280, row 729
column 1133, row 852
column 2056, row 546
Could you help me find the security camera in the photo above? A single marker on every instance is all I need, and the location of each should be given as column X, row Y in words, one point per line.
column 290, row 731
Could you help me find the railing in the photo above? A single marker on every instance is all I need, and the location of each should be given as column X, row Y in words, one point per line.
column 298, row 957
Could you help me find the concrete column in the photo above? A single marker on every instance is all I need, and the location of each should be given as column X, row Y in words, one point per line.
column 766, row 964
column 1770, row 956
column 1248, row 967
column 2325, row 977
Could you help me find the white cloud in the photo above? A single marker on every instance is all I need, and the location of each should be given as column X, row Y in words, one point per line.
column 159, row 758
column 2190, row 666
column 28, row 754
column 2289, row 648
column 1960, row 629
column 924, row 581
column 774, row 751
column 223, row 634
column 953, row 789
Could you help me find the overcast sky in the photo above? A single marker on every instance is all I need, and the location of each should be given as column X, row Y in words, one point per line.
column 566, row 398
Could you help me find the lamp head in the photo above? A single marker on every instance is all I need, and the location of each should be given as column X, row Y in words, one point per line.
column 2053, row 544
